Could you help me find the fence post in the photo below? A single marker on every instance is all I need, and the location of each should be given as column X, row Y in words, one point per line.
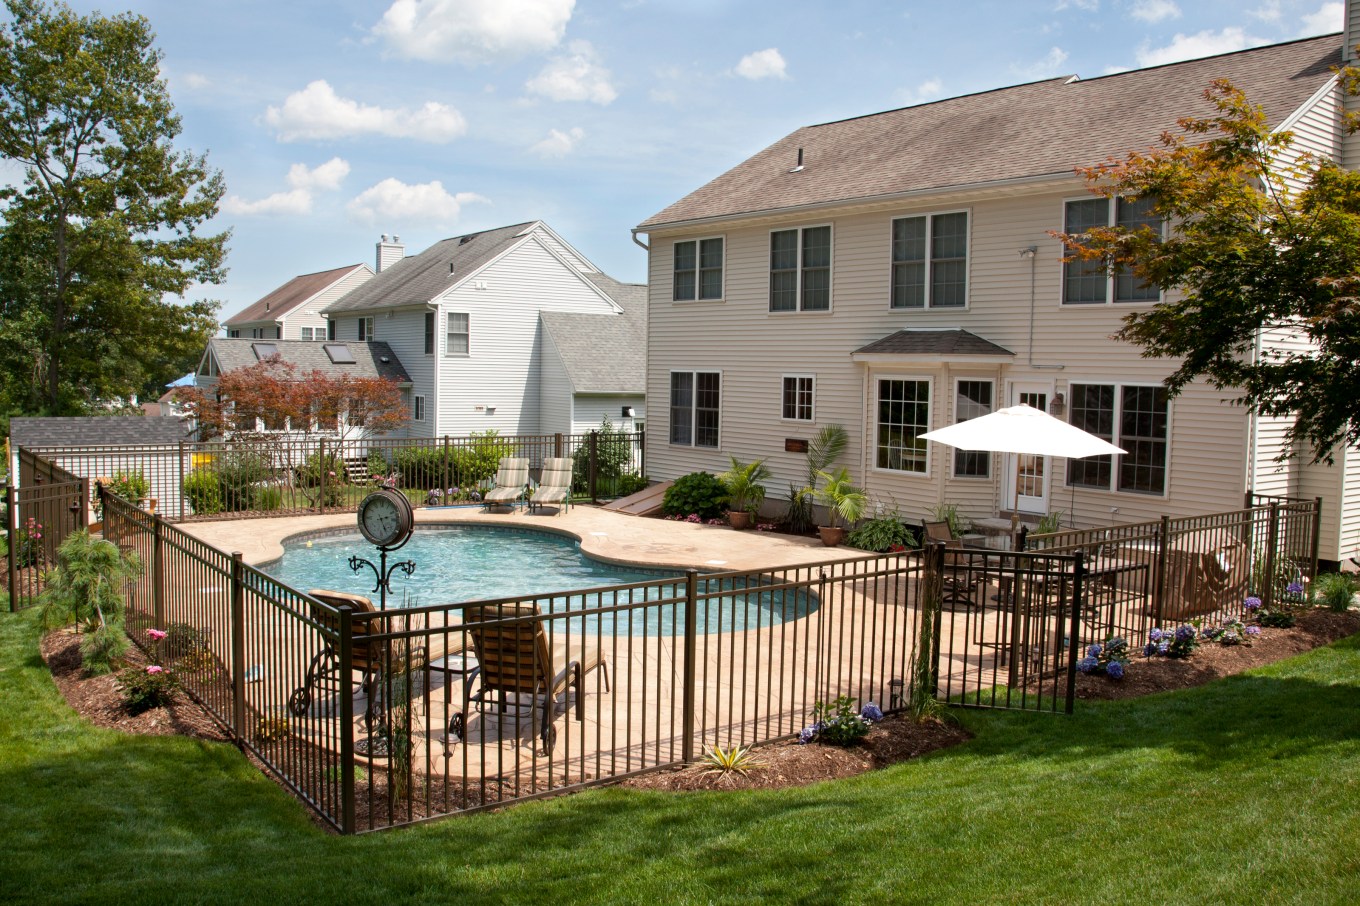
column 1317, row 538
column 1074, row 631
column 321, row 475
column 346, row 721
column 157, row 572
column 238, row 648
column 11, row 531
column 179, row 489
column 1272, row 540
column 691, row 637
column 1159, row 576
column 594, row 454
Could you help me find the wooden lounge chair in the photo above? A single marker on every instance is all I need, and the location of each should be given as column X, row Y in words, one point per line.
column 554, row 485
column 511, row 479
column 515, row 658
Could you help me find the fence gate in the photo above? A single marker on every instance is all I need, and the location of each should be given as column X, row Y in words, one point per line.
column 37, row 520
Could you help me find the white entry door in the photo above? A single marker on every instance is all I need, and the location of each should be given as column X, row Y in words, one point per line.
column 1028, row 476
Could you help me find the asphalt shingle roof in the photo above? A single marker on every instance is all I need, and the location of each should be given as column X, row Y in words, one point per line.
column 97, row 431
column 933, row 342
column 373, row 358
column 420, row 278
column 605, row 353
column 289, row 296
column 1039, row 129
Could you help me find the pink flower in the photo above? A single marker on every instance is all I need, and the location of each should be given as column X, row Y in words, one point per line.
column 155, row 634
column 152, row 668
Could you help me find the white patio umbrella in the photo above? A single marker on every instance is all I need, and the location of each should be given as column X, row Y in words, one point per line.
column 1022, row 429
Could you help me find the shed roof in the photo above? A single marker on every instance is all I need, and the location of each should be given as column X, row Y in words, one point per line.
column 1038, row 129
column 97, row 430
column 373, row 358
column 292, row 294
column 604, row 353
column 943, row 343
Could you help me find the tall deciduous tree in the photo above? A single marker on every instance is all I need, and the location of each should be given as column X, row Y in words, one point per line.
column 1262, row 243
column 104, row 231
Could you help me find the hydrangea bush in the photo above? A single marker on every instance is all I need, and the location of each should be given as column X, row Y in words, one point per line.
column 1108, row 659
column 839, row 724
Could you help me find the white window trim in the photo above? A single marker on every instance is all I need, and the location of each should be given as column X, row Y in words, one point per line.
column 722, row 392
column 991, row 458
column 873, row 424
column 930, row 232
column 722, row 296
column 1113, row 487
column 457, row 355
column 830, row 273
column 798, row 421
column 1063, row 304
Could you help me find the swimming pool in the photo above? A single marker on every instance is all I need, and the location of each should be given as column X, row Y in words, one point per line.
column 460, row 563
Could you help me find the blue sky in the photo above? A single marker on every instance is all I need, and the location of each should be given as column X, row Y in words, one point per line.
column 334, row 122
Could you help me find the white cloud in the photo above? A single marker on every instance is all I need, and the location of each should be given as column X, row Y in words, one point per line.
column 559, row 143
column 928, row 90
column 1040, row 69
column 1201, row 44
column 763, row 64
column 317, row 112
column 1155, row 10
column 473, row 31
column 574, row 76
column 305, row 182
column 1329, row 18
column 394, row 201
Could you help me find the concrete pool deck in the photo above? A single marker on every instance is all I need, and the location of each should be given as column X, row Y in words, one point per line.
column 605, row 535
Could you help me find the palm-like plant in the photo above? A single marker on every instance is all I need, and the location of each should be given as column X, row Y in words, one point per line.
column 743, row 482
column 844, row 501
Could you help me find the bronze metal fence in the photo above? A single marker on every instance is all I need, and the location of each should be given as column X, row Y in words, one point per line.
column 289, row 474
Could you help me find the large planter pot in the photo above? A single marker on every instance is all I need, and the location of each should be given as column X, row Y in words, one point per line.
column 832, row 535
column 739, row 519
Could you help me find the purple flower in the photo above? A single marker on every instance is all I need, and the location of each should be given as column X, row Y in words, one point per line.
column 871, row 712
column 1114, row 670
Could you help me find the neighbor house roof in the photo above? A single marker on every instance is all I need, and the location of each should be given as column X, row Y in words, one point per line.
column 1039, row 129
column 604, row 353
column 292, row 294
column 373, row 358
column 943, row 343
column 423, row 277
column 97, row 430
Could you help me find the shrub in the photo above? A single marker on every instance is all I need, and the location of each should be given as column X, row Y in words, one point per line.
column 203, row 491
column 1180, row 642
column 147, row 687
column 1336, row 591
column 838, row 723
column 131, row 486
column 698, row 493
column 1108, row 659
column 882, row 534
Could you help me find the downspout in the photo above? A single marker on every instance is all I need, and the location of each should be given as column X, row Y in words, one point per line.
column 1032, row 252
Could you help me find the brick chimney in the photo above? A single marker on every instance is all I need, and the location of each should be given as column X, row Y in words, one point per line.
column 390, row 251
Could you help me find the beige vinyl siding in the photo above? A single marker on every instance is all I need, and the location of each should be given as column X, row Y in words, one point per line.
column 504, row 367
column 753, row 347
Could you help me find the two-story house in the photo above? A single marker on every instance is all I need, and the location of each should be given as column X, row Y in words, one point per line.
column 898, row 272
column 293, row 311
column 510, row 328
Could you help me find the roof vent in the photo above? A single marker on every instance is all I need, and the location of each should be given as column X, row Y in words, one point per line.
column 799, row 167
column 339, row 353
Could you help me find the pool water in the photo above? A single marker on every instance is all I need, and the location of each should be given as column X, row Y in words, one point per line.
column 456, row 564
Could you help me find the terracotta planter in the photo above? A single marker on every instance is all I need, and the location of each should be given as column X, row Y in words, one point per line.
column 832, row 535
column 739, row 519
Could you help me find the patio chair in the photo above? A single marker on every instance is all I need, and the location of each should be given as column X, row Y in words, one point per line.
column 554, row 486
column 514, row 658
column 511, row 479
column 960, row 581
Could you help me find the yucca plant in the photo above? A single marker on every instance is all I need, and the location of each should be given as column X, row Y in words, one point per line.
column 734, row 760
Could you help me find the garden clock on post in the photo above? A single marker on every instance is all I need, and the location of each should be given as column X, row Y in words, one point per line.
column 386, row 519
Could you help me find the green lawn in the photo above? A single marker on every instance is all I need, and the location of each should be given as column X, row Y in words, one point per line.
column 1244, row 791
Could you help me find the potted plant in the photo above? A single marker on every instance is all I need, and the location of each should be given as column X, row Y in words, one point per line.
column 744, row 490
column 845, row 503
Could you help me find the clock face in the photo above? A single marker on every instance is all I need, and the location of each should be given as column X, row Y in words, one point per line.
column 382, row 519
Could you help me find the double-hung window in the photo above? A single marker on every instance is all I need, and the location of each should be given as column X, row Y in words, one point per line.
column 930, row 261
column 796, row 405
column 903, row 416
column 972, row 399
column 1130, row 416
column 365, row 329
column 698, row 270
column 800, row 269
column 696, row 404
column 457, row 339
column 1089, row 282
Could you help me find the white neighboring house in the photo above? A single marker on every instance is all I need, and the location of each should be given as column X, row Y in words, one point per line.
column 509, row 328
column 897, row 272
column 293, row 311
